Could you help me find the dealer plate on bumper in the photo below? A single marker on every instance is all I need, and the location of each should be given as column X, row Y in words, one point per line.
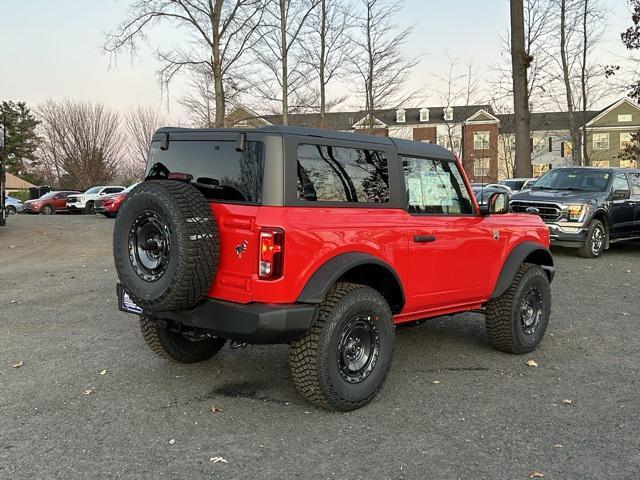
column 127, row 305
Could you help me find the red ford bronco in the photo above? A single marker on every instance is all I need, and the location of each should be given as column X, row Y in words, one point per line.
column 325, row 241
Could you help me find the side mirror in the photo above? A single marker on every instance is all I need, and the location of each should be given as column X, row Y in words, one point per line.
column 622, row 194
column 498, row 204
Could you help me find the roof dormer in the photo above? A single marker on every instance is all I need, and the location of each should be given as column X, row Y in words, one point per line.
column 448, row 114
column 424, row 114
column 401, row 116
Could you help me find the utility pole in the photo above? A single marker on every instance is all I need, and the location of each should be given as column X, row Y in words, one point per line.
column 520, row 60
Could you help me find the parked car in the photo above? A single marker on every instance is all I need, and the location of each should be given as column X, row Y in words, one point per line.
column 518, row 184
column 109, row 205
column 323, row 240
column 85, row 202
column 585, row 208
column 13, row 205
column 49, row 203
column 483, row 193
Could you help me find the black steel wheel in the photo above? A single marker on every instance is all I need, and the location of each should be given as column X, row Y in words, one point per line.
column 342, row 361
column 149, row 245
column 517, row 320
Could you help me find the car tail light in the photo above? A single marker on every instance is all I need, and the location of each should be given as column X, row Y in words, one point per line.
column 271, row 253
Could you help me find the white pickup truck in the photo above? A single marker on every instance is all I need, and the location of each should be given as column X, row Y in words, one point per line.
column 86, row 201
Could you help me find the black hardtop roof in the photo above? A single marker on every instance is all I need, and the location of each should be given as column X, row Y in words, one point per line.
column 404, row 147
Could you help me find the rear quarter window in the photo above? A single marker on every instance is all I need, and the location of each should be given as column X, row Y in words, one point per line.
column 219, row 171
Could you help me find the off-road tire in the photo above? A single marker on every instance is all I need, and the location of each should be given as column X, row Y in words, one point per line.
column 48, row 210
column 193, row 245
column 90, row 208
column 504, row 322
column 175, row 346
column 586, row 250
column 11, row 210
column 314, row 359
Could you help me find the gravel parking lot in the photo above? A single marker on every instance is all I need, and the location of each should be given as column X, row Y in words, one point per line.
column 452, row 406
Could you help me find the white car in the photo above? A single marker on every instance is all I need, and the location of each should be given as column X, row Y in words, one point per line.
column 86, row 201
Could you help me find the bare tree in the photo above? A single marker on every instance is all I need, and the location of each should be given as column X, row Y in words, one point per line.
column 378, row 59
column 82, row 141
column 520, row 61
column 139, row 124
column 221, row 32
column 325, row 49
column 281, row 33
column 565, row 32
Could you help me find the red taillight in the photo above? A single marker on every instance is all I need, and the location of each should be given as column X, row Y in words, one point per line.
column 271, row 253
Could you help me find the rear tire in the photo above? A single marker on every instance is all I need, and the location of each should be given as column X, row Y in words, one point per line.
column 48, row 210
column 188, row 347
column 11, row 210
column 595, row 241
column 342, row 361
column 517, row 320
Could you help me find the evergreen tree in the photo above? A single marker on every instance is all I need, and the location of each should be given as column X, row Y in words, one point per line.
column 21, row 138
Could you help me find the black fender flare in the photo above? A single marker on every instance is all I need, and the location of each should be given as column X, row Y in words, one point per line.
column 328, row 274
column 523, row 252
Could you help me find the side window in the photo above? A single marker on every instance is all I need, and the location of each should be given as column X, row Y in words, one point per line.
column 435, row 187
column 339, row 174
column 635, row 182
column 620, row 182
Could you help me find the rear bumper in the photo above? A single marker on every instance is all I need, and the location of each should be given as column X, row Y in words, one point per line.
column 255, row 323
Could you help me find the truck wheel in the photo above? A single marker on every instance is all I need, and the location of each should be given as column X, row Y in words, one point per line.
column 48, row 210
column 593, row 245
column 89, row 208
column 183, row 347
column 342, row 361
column 517, row 319
column 165, row 245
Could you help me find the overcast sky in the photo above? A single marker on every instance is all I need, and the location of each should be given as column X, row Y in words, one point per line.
column 52, row 49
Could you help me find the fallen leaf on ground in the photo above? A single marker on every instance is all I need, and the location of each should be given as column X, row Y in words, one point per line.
column 436, row 382
column 625, row 314
column 88, row 391
column 172, row 441
column 532, row 363
column 18, row 364
column 218, row 460
column 102, row 372
column 557, row 445
column 627, row 271
column 567, row 401
column 215, row 409
column 536, row 475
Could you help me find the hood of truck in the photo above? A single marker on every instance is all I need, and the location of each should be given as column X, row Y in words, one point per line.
column 562, row 196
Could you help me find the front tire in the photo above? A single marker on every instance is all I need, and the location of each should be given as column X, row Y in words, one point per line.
column 517, row 320
column 48, row 210
column 11, row 210
column 342, row 361
column 595, row 241
column 182, row 347
column 89, row 208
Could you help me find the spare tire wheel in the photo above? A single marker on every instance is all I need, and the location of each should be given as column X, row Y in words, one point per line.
column 165, row 245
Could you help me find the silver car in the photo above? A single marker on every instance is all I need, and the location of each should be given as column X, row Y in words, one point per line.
column 13, row 205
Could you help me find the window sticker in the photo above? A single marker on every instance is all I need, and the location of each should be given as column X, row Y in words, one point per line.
column 435, row 190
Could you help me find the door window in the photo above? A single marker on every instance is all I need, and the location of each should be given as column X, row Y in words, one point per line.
column 435, row 187
column 635, row 182
column 338, row 174
column 620, row 182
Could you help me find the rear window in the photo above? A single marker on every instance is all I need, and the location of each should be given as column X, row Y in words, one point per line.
column 219, row 171
column 339, row 174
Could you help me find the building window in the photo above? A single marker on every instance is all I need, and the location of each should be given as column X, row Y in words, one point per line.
column 424, row 115
column 539, row 170
column 481, row 140
column 241, row 123
column 625, row 140
column 539, row 145
column 600, row 163
column 625, row 118
column 448, row 114
column 401, row 116
column 601, row 141
column 629, row 163
column 481, row 167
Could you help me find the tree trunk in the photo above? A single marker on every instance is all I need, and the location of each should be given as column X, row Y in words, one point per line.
column 576, row 149
column 583, row 80
column 216, row 64
column 285, row 68
column 369, row 86
column 323, row 48
column 520, row 91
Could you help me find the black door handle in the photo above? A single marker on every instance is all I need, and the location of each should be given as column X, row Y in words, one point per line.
column 424, row 238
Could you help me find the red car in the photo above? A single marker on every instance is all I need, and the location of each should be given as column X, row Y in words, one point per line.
column 109, row 205
column 49, row 203
column 324, row 241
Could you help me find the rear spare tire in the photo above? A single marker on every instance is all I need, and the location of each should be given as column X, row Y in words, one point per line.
column 165, row 245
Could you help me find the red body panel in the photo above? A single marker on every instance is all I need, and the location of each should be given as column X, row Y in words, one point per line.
column 110, row 203
column 456, row 272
